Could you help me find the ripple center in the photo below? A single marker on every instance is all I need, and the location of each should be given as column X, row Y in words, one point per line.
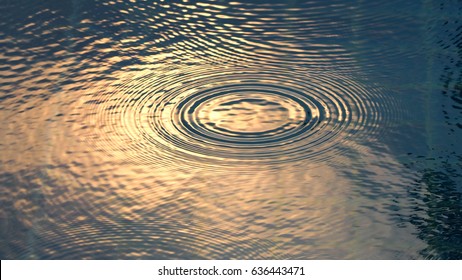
column 250, row 113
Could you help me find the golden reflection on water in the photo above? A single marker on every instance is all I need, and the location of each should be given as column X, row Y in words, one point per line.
column 295, row 209
column 208, row 210
column 218, row 142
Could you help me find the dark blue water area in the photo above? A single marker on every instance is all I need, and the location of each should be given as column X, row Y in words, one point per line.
column 230, row 130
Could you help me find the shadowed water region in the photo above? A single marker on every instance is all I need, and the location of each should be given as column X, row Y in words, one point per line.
column 230, row 130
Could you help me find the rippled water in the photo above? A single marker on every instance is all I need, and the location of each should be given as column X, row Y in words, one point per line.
column 230, row 130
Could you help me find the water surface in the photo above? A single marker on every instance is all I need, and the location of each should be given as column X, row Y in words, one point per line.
column 230, row 130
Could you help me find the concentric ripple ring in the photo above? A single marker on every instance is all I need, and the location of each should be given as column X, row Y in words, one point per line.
column 240, row 116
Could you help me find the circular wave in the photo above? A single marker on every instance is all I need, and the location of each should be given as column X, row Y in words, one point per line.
column 236, row 116
column 142, row 241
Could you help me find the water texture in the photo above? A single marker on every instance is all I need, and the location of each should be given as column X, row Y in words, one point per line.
column 230, row 130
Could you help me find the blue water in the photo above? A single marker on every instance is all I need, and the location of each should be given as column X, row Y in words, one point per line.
column 230, row 130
